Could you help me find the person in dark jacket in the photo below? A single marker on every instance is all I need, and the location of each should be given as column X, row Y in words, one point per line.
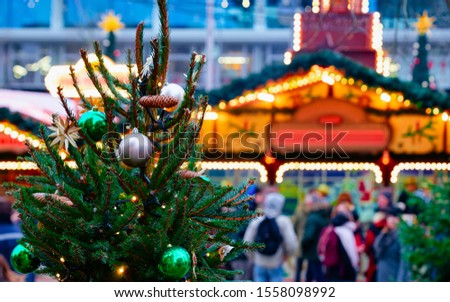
column 388, row 249
column 317, row 219
column 377, row 224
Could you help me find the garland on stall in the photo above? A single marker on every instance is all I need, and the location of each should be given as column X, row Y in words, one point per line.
column 26, row 124
column 419, row 96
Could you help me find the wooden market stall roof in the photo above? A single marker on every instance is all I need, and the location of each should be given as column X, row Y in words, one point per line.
column 417, row 95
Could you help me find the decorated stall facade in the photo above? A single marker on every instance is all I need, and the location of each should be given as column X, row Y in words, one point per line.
column 331, row 116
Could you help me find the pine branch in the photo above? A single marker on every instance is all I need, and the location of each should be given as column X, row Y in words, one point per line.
column 164, row 41
column 139, row 47
column 134, row 115
column 86, row 103
column 242, row 191
column 110, row 82
column 152, row 87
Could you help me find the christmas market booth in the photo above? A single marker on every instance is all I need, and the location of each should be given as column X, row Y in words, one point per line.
column 325, row 118
column 332, row 114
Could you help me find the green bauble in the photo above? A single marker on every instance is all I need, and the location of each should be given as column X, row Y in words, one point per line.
column 23, row 261
column 93, row 123
column 175, row 262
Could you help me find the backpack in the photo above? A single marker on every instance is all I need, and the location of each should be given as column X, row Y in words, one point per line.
column 269, row 233
column 327, row 248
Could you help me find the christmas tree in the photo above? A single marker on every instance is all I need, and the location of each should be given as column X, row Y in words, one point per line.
column 131, row 205
column 427, row 240
column 421, row 47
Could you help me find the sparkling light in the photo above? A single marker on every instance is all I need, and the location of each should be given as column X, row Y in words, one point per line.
column 440, row 166
column 297, row 32
column 316, row 6
column 377, row 41
column 365, row 6
column 364, row 166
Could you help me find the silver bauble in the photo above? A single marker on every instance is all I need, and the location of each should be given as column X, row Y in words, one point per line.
column 135, row 149
column 173, row 90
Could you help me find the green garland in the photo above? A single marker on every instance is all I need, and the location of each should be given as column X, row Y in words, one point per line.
column 419, row 96
column 26, row 124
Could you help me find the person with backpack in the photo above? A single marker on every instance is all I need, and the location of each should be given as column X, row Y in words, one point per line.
column 276, row 232
column 337, row 249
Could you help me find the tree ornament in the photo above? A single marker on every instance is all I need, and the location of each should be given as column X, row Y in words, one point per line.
column 23, row 261
column 93, row 123
column 135, row 149
column 187, row 174
column 175, row 91
column 175, row 262
column 158, row 101
column 64, row 133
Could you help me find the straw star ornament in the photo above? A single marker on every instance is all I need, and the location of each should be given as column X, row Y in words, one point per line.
column 64, row 132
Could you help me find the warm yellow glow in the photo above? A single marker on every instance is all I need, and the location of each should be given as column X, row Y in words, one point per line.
column 209, row 116
column 428, row 111
column 266, row 97
column 62, row 259
column 407, row 103
column 134, row 198
column 232, row 60
column 222, row 105
column 385, row 97
column 245, row 3
column 59, row 75
column 436, row 111
column 326, row 78
column 424, row 23
column 110, row 22
column 236, row 166
column 62, row 154
column 17, row 165
column 121, row 270
column 325, row 6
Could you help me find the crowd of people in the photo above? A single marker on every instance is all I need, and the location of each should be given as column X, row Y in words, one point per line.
column 327, row 238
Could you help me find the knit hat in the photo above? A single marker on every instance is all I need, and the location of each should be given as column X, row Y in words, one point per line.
column 324, row 189
column 273, row 204
column 388, row 196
